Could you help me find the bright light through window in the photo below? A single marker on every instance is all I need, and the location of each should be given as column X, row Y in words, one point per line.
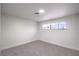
column 54, row 26
column 46, row 26
column 62, row 25
column 59, row 25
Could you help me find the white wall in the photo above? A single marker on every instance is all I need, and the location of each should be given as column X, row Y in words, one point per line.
column 16, row 31
column 68, row 38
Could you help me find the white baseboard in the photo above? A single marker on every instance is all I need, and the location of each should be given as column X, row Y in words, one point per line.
column 28, row 41
column 60, row 45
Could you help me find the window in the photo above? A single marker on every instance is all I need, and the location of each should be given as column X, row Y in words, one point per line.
column 62, row 25
column 59, row 25
column 46, row 26
column 54, row 26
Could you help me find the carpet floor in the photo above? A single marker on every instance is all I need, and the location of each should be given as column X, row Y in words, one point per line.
column 39, row 48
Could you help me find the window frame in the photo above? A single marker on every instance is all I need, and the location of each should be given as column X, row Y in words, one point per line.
column 55, row 26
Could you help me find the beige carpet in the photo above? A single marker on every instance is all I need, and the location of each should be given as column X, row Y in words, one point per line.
column 39, row 48
column 0, row 53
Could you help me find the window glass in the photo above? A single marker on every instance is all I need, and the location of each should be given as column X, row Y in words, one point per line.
column 54, row 26
column 46, row 26
column 62, row 25
column 59, row 25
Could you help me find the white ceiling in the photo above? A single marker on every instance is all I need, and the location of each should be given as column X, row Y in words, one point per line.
column 52, row 10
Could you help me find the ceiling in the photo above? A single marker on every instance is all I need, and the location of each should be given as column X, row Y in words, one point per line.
column 52, row 10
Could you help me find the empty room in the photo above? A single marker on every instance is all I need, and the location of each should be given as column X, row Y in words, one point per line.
column 39, row 29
